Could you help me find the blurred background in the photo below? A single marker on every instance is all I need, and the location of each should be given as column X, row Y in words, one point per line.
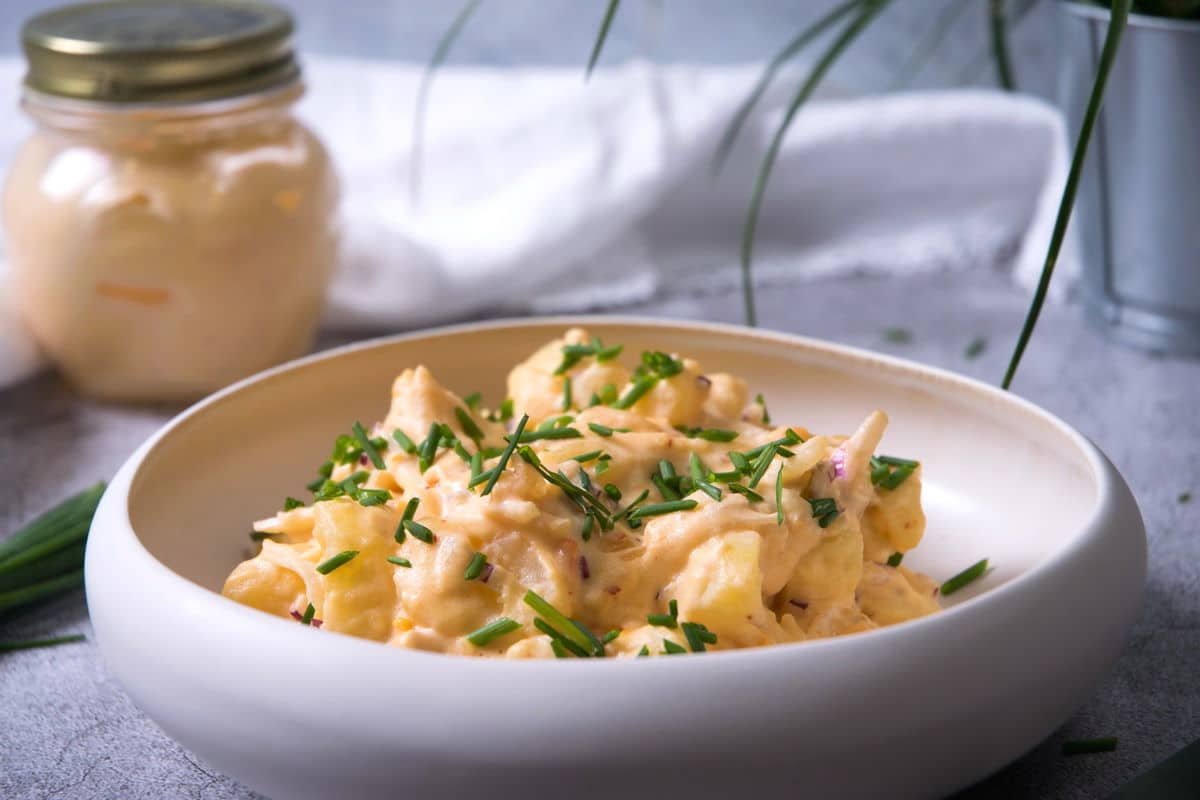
column 561, row 33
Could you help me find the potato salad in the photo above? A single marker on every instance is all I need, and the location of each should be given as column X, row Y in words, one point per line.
column 615, row 504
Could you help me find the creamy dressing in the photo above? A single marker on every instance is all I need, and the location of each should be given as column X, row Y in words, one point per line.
column 752, row 571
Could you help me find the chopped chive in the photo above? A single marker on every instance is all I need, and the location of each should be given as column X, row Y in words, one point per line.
column 732, row 476
column 258, row 536
column 976, row 347
column 636, row 391
column 644, row 652
column 410, row 510
column 600, row 430
column 779, row 497
column 485, row 475
column 710, row 490
column 476, row 464
column 419, row 531
column 290, row 503
column 566, row 393
column 666, row 469
column 661, row 620
column 602, row 467
column 824, row 510
column 473, row 400
column 787, row 440
column 608, row 637
column 762, row 465
column 657, row 509
column 629, row 509
column 493, row 630
column 346, row 450
column 607, row 353
column 583, row 499
column 315, row 486
column 505, row 456
column 897, row 335
column 491, row 452
column 468, row 425
column 673, row 606
column 894, row 559
column 568, row 628
column 1184, row 498
column 749, row 494
column 697, row 469
column 671, row 648
column 589, row 522
column 893, row 461
column 351, row 482
column 309, row 613
column 558, row 638
column 506, row 409
column 341, row 558
column 1077, row 747
column 372, row 497
column 549, row 433
column 329, row 490
column 585, row 481
column 428, row 448
column 740, row 462
column 583, row 458
column 968, row 575
column 475, row 567
column 461, row 451
column 30, row 644
column 663, row 488
column 397, row 560
column 766, row 416
column 697, row 636
column 559, row 650
column 608, row 394
column 612, row 491
column 716, row 435
column 369, row 445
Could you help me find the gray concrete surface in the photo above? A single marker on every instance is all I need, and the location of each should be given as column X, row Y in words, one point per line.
column 69, row 732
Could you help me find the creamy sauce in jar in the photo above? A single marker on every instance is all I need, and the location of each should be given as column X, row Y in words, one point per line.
column 164, row 248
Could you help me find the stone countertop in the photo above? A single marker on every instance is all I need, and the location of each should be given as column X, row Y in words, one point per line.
column 70, row 732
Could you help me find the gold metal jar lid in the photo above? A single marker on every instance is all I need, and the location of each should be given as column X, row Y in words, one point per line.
column 159, row 51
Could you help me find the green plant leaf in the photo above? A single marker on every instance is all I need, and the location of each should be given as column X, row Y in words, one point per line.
column 868, row 11
column 793, row 47
column 439, row 56
column 998, row 27
column 1112, row 41
column 601, row 36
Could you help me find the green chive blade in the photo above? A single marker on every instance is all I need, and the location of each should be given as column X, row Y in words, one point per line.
column 968, row 575
column 492, row 631
column 333, row 563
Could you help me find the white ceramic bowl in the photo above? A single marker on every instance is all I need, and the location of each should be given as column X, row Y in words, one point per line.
column 915, row 710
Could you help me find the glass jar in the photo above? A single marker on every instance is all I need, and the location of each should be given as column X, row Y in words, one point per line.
column 170, row 223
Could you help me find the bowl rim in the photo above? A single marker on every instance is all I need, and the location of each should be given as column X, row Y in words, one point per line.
column 115, row 503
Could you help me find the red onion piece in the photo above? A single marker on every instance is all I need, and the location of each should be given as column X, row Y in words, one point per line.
column 583, row 568
column 488, row 569
column 296, row 615
column 839, row 462
column 800, row 604
column 316, row 623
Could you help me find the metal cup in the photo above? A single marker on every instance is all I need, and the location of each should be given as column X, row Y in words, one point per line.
column 1138, row 211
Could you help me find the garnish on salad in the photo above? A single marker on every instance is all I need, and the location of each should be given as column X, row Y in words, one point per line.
column 615, row 491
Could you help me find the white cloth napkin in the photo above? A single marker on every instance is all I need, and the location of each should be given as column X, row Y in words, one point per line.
column 540, row 192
